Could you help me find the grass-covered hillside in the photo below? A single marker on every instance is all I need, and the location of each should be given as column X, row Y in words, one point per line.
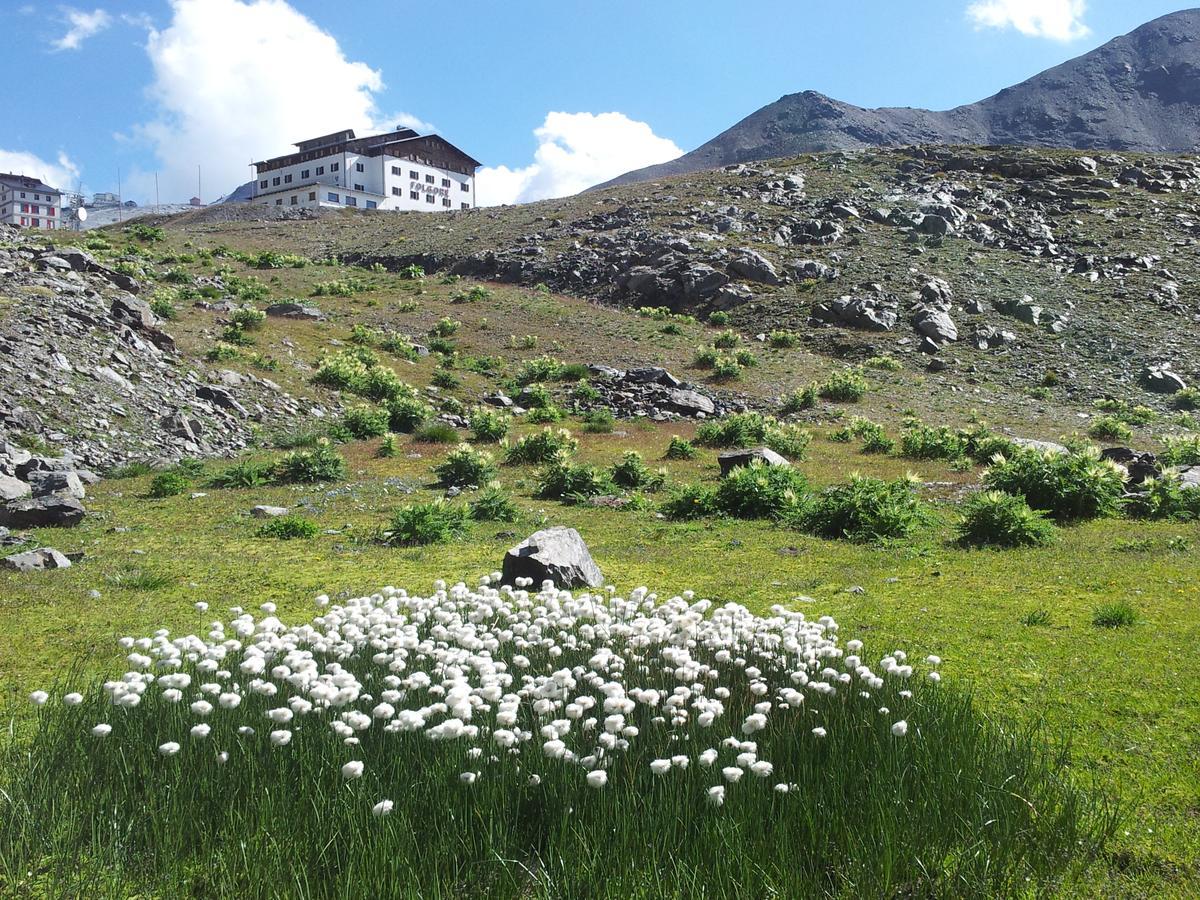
column 1059, row 596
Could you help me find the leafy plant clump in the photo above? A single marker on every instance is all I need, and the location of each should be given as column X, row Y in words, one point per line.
column 246, row 473
column 311, row 465
column 1109, row 428
column 863, row 509
column 290, row 528
column 436, row 433
column 1165, row 497
column 993, row 518
column 760, row 491
column 419, row 524
column 1073, row 485
column 541, row 446
column 632, row 473
column 493, row 505
column 465, row 466
column 562, row 479
column 364, row 422
column 799, row 400
column 489, row 426
column 1114, row 615
column 1181, row 450
column 679, row 448
column 598, row 421
column 846, row 386
column 168, row 484
column 750, row 429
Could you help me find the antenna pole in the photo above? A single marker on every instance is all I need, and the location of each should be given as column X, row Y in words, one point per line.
column 120, row 198
column 156, row 204
column 199, row 192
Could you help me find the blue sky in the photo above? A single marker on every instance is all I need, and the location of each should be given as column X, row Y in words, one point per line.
column 166, row 85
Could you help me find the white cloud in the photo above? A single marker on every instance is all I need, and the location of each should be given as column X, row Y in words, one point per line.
column 81, row 26
column 1059, row 20
column 575, row 151
column 62, row 174
column 240, row 80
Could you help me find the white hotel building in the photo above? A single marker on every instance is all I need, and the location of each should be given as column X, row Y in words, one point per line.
column 394, row 171
column 29, row 202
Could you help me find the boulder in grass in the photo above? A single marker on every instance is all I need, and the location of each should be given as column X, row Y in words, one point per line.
column 555, row 554
column 12, row 488
column 732, row 459
column 269, row 512
column 36, row 560
column 42, row 512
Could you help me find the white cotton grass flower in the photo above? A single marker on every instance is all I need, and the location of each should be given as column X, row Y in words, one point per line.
column 39, row 698
column 201, row 708
column 73, row 699
column 352, row 770
column 900, row 729
column 201, row 731
column 468, row 777
column 102, row 730
column 597, row 779
column 761, row 769
column 383, row 808
column 170, row 748
column 716, row 795
column 281, row 738
column 819, row 732
column 732, row 774
column 222, row 757
column 782, row 788
column 660, row 766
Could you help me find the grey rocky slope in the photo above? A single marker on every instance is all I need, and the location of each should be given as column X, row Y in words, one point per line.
column 86, row 368
column 1138, row 92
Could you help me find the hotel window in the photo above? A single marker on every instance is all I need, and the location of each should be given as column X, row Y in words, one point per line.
column 445, row 182
column 371, row 204
column 429, row 198
column 24, row 206
column 263, row 183
column 333, row 198
column 358, row 167
column 429, row 179
column 295, row 199
column 446, row 202
column 359, row 187
column 396, row 171
column 49, row 224
column 412, row 173
column 37, row 223
column 466, row 206
column 464, row 186
column 320, row 170
column 414, row 195
column 22, row 195
column 396, row 192
column 287, row 179
column 333, row 167
column 50, row 210
column 279, row 202
column 304, row 174
column 352, row 201
column 275, row 181
column 312, row 195
column 24, row 221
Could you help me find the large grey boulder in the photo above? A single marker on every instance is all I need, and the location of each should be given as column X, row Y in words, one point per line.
column 1162, row 380
column 42, row 512
column 36, row 560
column 46, row 483
column 13, row 488
column 732, row 459
column 294, row 311
column 690, row 403
column 268, row 512
column 12, row 458
column 935, row 324
column 556, row 554
column 753, row 266
column 1041, row 446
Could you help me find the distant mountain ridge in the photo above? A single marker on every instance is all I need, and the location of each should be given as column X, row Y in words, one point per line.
column 1139, row 92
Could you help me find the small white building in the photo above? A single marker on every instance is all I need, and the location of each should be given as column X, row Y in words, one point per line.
column 29, row 202
column 394, row 171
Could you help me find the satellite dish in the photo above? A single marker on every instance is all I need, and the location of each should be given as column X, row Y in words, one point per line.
column 81, row 213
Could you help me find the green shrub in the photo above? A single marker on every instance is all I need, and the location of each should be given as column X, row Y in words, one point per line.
column 541, row 446
column 222, row 352
column 583, row 392
column 1109, row 428
column 399, row 345
column 363, row 335
column 489, row 426
column 445, row 379
column 926, row 442
column 680, row 449
column 726, row 340
column 412, row 272
column 365, row 422
column 493, row 505
column 1182, row 450
column 445, row 327
column 537, row 396
column 545, row 415
column 407, row 414
column 310, row 466
column 1035, row 617
column 690, row 501
column 162, row 304
column 562, row 479
column 782, row 340
column 290, row 527
column 799, row 400
column 1165, row 497
column 719, row 318
column 308, row 435
column 248, row 319
column 465, row 466
column 436, row 433
column 726, row 368
column 706, row 357
column 147, row 233
column 760, row 491
column 631, row 473
column 993, row 518
column 542, row 368
column 1187, row 398
column 236, row 335
column 863, row 509
column 246, row 473
column 341, row 287
column 168, row 484
column 418, row 524
column 745, row 359
column 1114, row 615
column 135, row 469
column 1074, row 485
column 476, row 293
column 598, row 421
column 883, row 363
column 846, row 386
column 270, row 259
column 387, row 447
column 749, row 429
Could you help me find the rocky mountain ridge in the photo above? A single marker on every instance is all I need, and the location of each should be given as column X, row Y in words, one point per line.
column 1139, row 92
